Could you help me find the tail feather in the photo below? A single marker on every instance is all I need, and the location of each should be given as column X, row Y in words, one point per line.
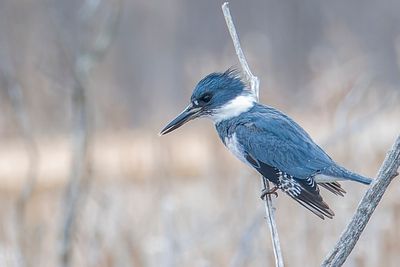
column 334, row 187
column 315, row 204
column 306, row 193
column 339, row 171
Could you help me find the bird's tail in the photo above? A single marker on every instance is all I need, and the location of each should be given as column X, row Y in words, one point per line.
column 341, row 172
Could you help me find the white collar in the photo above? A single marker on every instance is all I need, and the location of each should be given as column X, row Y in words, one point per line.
column 233, row 108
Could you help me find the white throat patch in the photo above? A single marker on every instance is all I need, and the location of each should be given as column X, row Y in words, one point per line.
column 233, row 108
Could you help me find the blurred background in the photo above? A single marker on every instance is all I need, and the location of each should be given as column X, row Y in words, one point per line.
column 85, row 87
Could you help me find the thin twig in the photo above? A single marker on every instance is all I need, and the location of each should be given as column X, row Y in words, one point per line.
column 367, row 206
column 270, row 217
column 254, row 81
column 254, row 86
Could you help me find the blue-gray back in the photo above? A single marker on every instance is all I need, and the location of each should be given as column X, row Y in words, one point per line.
column 271, row 137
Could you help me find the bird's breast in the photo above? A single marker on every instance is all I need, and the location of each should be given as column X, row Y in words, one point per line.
column 234, row 146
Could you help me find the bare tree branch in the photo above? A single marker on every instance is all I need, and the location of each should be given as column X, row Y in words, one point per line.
column 78, row 169
column 254, row 85
column 16, row 97
column 84, row 62
column 367, row 206
column 254, row 81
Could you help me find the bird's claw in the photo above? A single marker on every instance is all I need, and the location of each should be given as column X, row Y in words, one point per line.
column 266, row 192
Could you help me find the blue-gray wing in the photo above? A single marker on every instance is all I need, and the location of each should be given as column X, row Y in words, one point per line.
column 274, row 139
column 283, row 152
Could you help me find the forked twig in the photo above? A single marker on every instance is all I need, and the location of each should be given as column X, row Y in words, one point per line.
column 254, row 85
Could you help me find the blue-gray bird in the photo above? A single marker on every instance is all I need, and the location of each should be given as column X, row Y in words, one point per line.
column 267, row 140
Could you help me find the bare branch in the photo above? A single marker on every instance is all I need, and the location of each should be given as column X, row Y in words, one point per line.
column 270, row 212
column 16, row 96
column 254, row 84
column 367, row 206
column 81, row 67
column 254, row 81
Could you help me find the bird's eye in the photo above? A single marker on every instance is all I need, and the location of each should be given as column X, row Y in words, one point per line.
column 205, row 98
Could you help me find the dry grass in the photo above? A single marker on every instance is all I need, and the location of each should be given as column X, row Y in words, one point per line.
column 183, row 200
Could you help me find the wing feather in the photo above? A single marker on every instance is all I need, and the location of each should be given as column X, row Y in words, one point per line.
column 304, row 191
column 278, row 141
column 333, row 187
column 285, row 154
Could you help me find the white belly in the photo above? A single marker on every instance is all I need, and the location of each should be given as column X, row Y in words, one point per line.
column 233, row 145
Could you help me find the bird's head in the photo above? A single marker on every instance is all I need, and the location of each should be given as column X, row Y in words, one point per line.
column 218, row 96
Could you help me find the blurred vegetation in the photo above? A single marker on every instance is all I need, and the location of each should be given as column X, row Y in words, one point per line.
column 85, row 86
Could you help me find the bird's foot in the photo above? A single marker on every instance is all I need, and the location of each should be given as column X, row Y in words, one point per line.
column 266, row 192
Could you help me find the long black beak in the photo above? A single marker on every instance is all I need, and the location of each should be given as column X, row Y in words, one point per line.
column 188, row 114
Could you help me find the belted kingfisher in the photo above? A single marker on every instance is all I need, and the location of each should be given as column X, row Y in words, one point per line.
column 267, row 140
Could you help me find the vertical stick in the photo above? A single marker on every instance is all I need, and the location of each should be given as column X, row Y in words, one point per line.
column 84, row 61
column 270, row 217
column 254, row 86
column 254, row 81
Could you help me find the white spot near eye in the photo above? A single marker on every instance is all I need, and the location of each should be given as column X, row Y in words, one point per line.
column 196, row 102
